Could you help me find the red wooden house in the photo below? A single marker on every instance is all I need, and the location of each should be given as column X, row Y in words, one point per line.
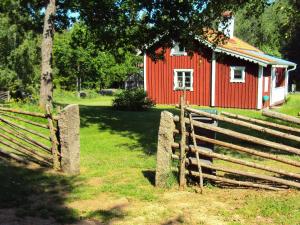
column 234, row 74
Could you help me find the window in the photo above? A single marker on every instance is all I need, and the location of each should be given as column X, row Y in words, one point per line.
column 237, row 74
column 183, row 79
column 178, row 50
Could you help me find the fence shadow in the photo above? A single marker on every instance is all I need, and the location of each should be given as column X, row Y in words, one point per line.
column 34, row 193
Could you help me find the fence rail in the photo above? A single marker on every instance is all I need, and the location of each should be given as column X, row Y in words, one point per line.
column 28, row 135
column 5, row 96
column 191, row 157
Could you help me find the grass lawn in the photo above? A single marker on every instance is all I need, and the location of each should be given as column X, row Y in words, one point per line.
column 117, row 174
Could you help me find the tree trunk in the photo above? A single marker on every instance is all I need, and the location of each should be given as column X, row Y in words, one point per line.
column 46, row 89
column 78, row 78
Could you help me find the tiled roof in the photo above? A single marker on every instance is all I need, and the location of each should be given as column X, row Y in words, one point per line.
column 240, row 49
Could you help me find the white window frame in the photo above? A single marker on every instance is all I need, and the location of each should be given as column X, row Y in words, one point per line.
column 235, row 80
column 175, row 78
column 177, row 53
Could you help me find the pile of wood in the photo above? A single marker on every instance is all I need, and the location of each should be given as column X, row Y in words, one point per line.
column 265, row 176
column 29, row 137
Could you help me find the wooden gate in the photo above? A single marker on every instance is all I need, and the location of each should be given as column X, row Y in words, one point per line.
column 29, row 137
column 242, row 159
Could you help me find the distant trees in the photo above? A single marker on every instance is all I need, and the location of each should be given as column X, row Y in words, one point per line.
column 80, row 61
column 274, row 28
column 19, row 47
column 103, row 50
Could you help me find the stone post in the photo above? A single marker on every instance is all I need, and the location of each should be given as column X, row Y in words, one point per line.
column 164, row 149
column 69, row 127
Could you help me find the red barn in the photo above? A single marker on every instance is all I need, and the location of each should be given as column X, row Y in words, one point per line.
column 235, row 75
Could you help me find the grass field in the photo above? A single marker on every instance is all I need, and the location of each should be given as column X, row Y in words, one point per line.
column 118, row 151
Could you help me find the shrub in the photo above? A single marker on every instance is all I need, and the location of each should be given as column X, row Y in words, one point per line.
column 134, row 99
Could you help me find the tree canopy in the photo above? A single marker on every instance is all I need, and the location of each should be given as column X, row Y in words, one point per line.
column 101, row 48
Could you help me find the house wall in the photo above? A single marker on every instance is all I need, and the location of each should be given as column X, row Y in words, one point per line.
column 160, row 78
column 236, row 95
column 160, row 81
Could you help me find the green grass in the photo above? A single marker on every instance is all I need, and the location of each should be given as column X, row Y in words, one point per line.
column 64, row 97
column 118, row 159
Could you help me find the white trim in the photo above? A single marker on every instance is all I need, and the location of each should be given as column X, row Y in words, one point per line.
column 287, row 80
column 286, row 85
column 145, row 69
column 260, row 87
column 175, row 83
column 213, row 79
column 233, row 53
column 272, row 84
column 177, row 53
column 280, row 66
column 266, row 84
column 234, row 80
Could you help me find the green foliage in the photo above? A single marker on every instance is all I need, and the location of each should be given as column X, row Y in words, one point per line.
column 135, row 99
column 19, row 49
column 78, row 56
column 274, row 28
column 147, row 25
column 270, row 27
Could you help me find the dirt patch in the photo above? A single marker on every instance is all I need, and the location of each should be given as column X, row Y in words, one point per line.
column 95, row 181
column 101, row 202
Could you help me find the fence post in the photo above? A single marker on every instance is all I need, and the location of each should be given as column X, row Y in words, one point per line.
column 53, row 137
column 164, row 149
column 69, row 127
column 8, row 96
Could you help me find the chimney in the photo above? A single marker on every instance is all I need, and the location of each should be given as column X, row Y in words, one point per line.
column 227, row 26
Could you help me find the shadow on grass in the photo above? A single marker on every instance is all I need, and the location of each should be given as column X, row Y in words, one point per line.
column 34, row 193
column 141, row 126
column 109, row 216
column 150, row 175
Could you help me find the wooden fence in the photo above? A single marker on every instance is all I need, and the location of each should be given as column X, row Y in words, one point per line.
column 5, row 96
column 41, row 138
column 178, row 141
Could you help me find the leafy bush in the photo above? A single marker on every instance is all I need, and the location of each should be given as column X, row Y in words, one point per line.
column 134, row 99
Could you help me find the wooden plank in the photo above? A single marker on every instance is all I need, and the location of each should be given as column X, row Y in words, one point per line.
column 13, row 156
column 281, row 116
column 197, row 155
column 26, row 148
column 12, row 124
column 32, row 157
column 248, row 138
column 239, row 183
column 35, row 114
column 246, row 124
column 182, row 180
column 263, row 122
column 25, row 138
column 24, row 120
column 247, row 174
column 240, row 161
column 249, row 151
column 54, row 141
